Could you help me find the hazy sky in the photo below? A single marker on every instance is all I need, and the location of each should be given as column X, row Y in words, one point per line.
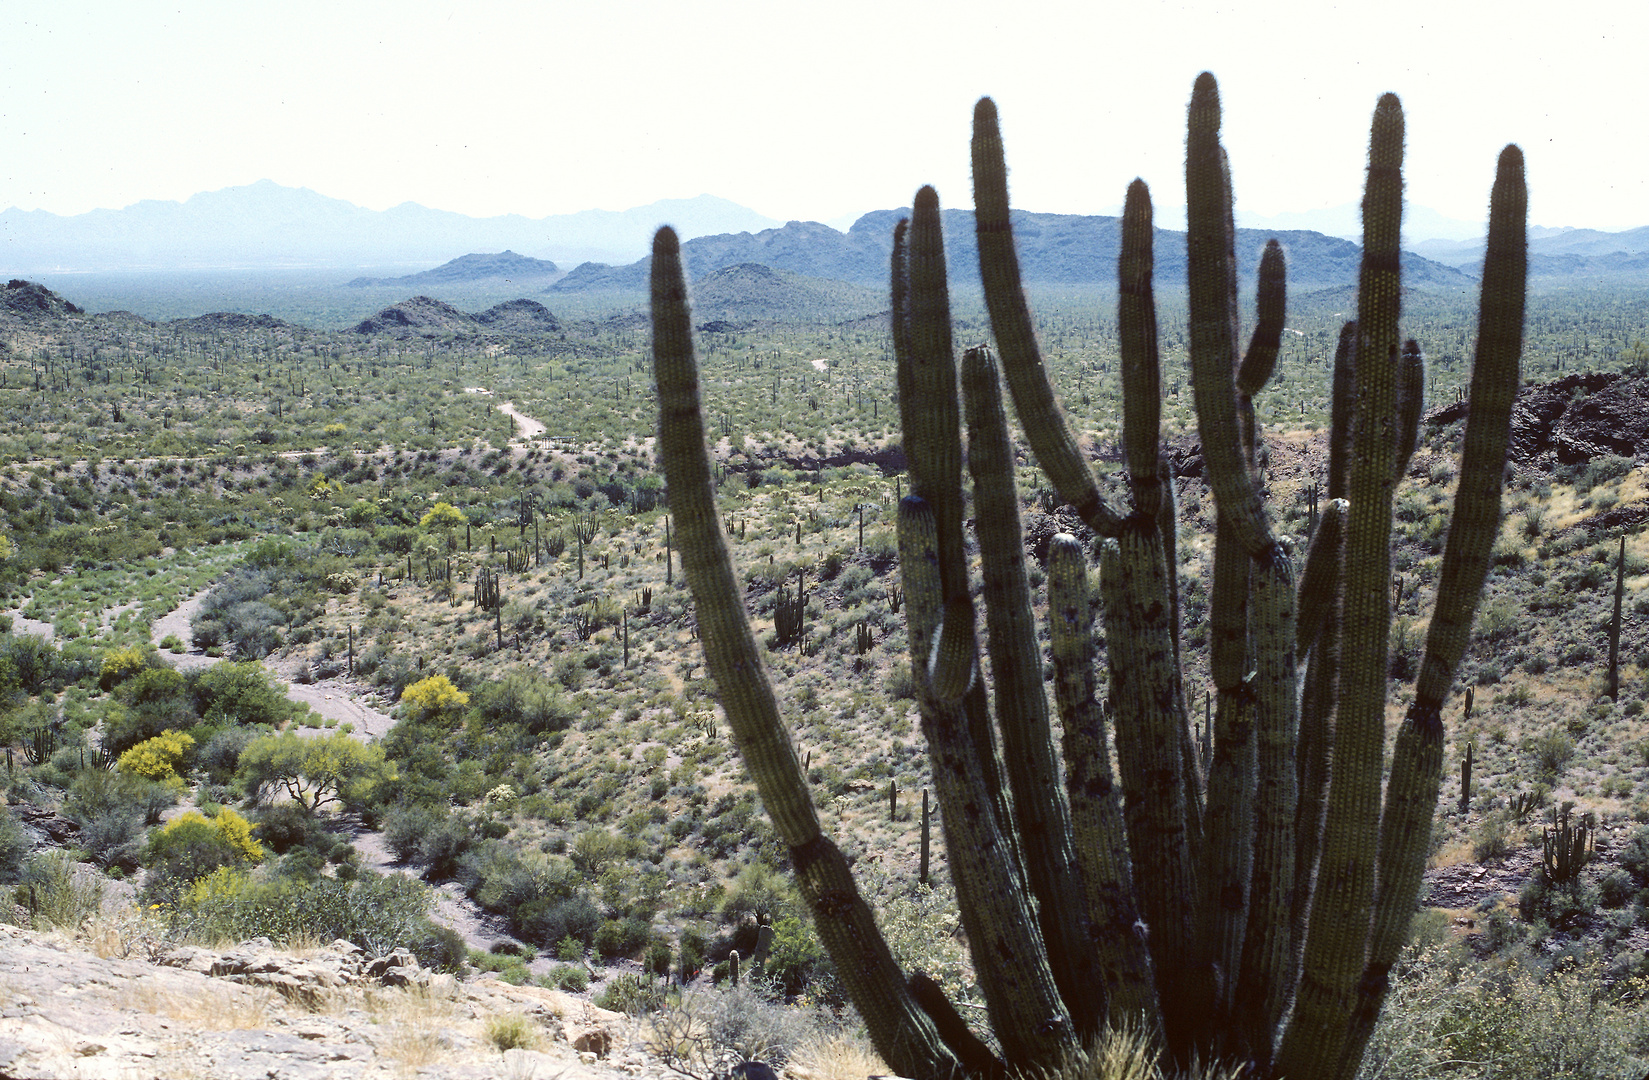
column 813, row 110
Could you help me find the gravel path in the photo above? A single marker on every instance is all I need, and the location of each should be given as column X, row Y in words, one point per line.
column 346, row 701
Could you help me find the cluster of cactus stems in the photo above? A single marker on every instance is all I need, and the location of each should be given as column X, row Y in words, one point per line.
column 1248, row 908
column 1565, row 848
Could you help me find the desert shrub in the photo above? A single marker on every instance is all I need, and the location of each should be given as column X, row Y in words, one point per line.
column 523, row 697
column 512, row 1031
column 1634, row 856
column 631, row 992
column 377, row 913
column 441, row 948
column 433, row 697
column 707, row 1032
column 594, row 850
column 404, row 828
column 551, row 920
column 219, row 756
column 152, row 702
column 159, row 759
column 572, row 978
column 1615, row 889
column 190, row 848
column 617, row 938
column 114, row 838
column 1445, row 1018
column 285, row 827
column 58, row 892
column 238, row 693
column 1568, row 905
column 121, row 664
column 1552, row 753
column 14, row 848
column 1492, row 837
column 444, row 845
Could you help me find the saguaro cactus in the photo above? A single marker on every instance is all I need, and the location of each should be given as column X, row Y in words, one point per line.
column 1212, row 900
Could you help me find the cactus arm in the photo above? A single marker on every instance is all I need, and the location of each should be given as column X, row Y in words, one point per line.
column 898, row 1026
column 929, row 414
column 1033, row 396
column 1025, row 1007
column 1495, row 377
column 1342, row 906
column 1261, row 359
column 1320, row 581
column 1417, row 762
column 1411, row 402
column 1039, row 807
column 1137, row 338
column 1270, row 305
column 1342, row 418
column 1096, row 806
column 1213, row 298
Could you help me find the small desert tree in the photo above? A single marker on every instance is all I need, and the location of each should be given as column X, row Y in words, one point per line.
column 332, row 768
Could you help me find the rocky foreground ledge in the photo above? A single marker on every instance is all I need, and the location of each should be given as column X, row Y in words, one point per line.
column 256, row 1013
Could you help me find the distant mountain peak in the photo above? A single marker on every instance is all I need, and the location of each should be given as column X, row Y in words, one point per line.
column 473, row 267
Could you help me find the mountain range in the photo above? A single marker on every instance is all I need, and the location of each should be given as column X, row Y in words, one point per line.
column 1059, row 249
column 268, row 226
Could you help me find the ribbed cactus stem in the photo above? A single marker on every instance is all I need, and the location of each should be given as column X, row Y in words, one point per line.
column 1417, row 761
column 1210, row 237
column 1097, row 828
column 1342, row 906
column 1263, row 989
column 1342, row 417
column 1033, row 396
column 1039, row 807
column 1149, row 714
column 1012, row 964
column 1137, row 338
column 1411, row 403
column 901, row 1030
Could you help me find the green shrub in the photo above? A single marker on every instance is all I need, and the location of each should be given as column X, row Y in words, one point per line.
column 512, row 1031
column 1634, row 856
column 14, row 848
column 1492, row 837
column 57, row 892
column 573, row 978
column 617, row 938
column 631, row 992
column 376, row 913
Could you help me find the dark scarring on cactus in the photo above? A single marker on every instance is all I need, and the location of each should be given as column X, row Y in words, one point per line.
column 1215, row 899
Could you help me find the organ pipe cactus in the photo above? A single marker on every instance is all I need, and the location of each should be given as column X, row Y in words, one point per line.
column 1249, row 909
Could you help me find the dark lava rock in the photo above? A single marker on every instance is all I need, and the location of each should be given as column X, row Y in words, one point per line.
column 32, row 299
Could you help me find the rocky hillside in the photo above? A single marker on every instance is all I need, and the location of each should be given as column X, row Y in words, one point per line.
column 119, row 1007
column 1060, row 249
column 467, row 268
column 424, row 316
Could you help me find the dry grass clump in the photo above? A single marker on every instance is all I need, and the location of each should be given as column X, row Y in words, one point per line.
column 227, row 1008
column 512, row 1031
column 835, row 1055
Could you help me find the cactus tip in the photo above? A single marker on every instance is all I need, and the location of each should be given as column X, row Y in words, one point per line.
column 665, row 241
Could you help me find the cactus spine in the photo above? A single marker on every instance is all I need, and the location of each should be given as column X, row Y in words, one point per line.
column 1055, row 886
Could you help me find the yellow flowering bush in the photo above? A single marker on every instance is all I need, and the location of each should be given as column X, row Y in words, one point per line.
column 158, row 758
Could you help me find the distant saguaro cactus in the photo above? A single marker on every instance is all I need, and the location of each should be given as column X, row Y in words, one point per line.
column 1273, row 883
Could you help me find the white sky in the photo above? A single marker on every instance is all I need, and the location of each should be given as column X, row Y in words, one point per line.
column 810, row 110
